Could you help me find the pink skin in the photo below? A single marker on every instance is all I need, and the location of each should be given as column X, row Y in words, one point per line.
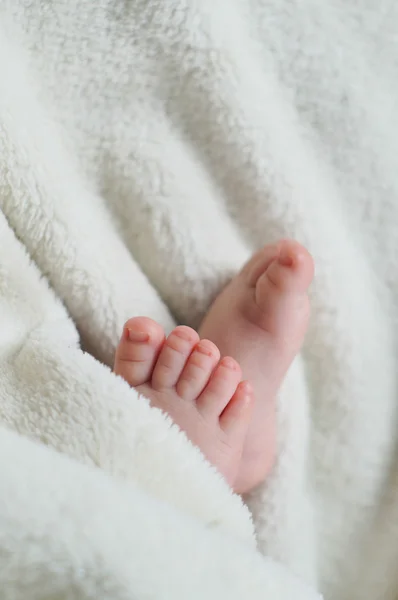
column 184, row 377
column 257, row 323
column 261, row 319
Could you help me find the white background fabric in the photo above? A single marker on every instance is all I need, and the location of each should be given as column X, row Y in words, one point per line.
column 146, row 149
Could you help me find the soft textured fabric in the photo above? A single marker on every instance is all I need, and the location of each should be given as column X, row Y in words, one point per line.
column 146, row 149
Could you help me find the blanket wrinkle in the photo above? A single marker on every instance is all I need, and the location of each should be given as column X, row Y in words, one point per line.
column 146, row 149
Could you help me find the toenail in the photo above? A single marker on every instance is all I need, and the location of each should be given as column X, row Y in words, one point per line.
column 229, row 363
column 285, row 259
column 204, row 349
column 137, row 336
column 185, row 334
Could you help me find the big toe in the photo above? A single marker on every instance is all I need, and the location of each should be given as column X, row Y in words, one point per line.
column 138, row 349
column 292, row 270
column 281, row 289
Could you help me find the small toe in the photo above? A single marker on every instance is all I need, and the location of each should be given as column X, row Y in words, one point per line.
column 235, row 418
column 221, row 387
column 258, row 263
column 173, row 356
column 136, row 354
column 198, row 370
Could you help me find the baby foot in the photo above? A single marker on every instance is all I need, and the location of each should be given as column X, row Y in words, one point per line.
column 260, row 319
column 184, row 376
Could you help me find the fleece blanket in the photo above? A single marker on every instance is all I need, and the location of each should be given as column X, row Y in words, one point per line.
column 146, row 149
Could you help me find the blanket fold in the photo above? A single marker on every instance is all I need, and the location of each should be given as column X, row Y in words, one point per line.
column 147, row 148
column 83, row 535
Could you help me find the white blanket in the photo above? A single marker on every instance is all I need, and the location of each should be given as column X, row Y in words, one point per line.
column 146, row 148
